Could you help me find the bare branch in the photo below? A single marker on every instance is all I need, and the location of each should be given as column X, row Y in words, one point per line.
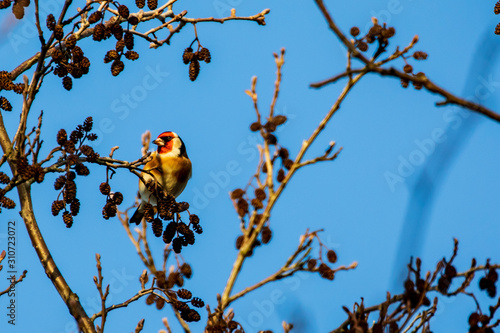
column 287, row 268
column 124, row 304
column 256, row 226
column 432, row 87
column 102, row 294
column 322, row 158
column 280, row 60
column 420, row 80
column 13, row 283
column 123, row 217
column 86, row 31
column 51, row 269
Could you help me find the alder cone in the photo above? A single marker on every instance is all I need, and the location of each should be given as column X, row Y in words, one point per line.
column 117, row 67
column 129, row 40
column 254, row 127
column 204, row 55
column 98, row 33
column 152, row 4
column 58, row 32
column 51, row 22
column 187, row 56
column 104, row 188
column 67, row 83
column 131, row 55
column 70, row 41
column 94, row 17
column 194, row 69
column 123, row 11
column 5, row 104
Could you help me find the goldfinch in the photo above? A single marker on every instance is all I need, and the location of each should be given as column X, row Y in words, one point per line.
column 171, row 168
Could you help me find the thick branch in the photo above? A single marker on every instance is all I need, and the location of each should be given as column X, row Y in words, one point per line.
column 69, row 297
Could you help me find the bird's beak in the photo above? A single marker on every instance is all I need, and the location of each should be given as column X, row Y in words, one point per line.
column 159, row 142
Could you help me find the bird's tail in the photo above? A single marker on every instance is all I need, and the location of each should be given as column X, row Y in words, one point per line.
column 138, row 215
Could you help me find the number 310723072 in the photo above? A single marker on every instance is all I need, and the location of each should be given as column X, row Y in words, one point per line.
column 11, row 244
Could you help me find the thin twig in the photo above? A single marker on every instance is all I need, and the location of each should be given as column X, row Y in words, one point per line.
column 103, row 294
column 280, row 60
column 347, row 73
column 13, row 283
column 123, row 217
column 287, row 267
column 124, row 304
column 259, row 18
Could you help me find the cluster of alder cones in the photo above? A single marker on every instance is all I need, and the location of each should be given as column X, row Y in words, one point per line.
column 194, row 58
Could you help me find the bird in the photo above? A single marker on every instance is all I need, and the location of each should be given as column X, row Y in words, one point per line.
column 171, row 168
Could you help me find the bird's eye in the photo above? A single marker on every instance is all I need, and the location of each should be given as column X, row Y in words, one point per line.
column 168, row 138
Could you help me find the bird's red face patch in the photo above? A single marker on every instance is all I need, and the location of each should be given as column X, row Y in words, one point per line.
column 167, row 138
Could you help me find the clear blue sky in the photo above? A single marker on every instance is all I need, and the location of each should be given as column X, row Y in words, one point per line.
column 379, row 125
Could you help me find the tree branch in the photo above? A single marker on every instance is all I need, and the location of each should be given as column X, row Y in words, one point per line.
column 69, row 297
column 287, row 268
column 86, row 31
column 255, row 227
column 103, row 294
column 124, row 304
column 432, row 87
column 370, row 66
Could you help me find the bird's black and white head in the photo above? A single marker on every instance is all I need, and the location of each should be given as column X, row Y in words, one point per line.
column 170, row 143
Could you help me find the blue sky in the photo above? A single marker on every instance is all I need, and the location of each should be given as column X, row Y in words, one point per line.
column 379, row 126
